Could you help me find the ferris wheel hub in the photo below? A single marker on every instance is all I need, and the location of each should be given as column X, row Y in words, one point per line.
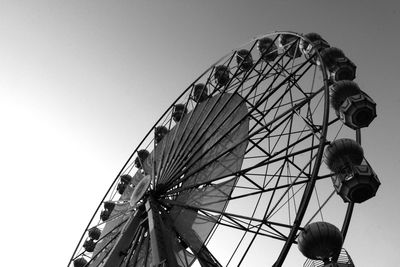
column 140, row 189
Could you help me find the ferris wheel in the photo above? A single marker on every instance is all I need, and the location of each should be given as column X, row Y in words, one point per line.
column 261, row 153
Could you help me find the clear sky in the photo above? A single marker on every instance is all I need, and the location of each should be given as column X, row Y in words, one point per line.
column 81, row 82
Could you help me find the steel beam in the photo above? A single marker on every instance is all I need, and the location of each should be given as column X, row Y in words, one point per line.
column 160, row 238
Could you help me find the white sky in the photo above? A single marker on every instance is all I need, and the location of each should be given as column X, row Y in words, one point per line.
column 81, row 82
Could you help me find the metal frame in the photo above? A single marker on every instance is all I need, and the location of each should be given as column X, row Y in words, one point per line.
column 268, row 122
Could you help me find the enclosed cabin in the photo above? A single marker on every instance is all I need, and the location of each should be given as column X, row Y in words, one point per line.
column 89, row 245
column 354, row 107
column 109, row 205
column 124, row 181
column 105, row 215
column 339, row 66
column 244, row 59
column 200, row 93
column 94, row 233
column 312, row 43
column 178, row 111
column 159, row 133
column 321, row 243
column 354, row 179
column 221, row 75
column 141, row 157
column 267, row 48
column 290, row 44
column 106, row 212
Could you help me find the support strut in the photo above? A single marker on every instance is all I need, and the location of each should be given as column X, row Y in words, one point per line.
column 160, row 238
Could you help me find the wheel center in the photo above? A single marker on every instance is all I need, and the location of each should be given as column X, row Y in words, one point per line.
column 140, row 189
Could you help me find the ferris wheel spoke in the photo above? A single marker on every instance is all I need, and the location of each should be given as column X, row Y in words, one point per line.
column 301, row 171
column 178, row 141
column 277, row 104
column 310, row 112
column 294, row 81
column 320, row 207
column 208, row 119
column 172, row 145
column 273, row 159
column 288, row 170
column 116, row 215
column 256, row 190
column 252, row 88
column 300, row 67
column 199, row 248
column 276, row 209
column 236, row 221
column 287, row 113
column 140, row 251
column 210, row 109
column 210, row 129
column 222, row 144
column 289, row 186
column 100, row 255
column 251, row 228
column 284, row 124
column 308, row 119
column 195, row 150
column 287, row 156
column 252, row 215
column 132, row 257
column 282, row 83
column 275, row 234
column 271, row 90
column 125, row 239
column 270, row 134
column 109, row 233
column 292, row 109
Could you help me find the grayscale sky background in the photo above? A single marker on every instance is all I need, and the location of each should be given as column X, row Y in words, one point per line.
column 81, row 82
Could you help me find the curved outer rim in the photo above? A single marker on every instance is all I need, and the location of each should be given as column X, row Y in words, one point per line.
column 310, row 185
